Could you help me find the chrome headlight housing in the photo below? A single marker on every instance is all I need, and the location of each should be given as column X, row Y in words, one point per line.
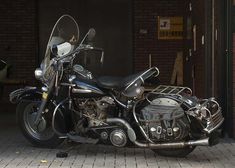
column 38, row 73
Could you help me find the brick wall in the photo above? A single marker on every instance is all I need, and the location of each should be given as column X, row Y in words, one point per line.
column 18, row 37
column 18, row 43
column 163, row 51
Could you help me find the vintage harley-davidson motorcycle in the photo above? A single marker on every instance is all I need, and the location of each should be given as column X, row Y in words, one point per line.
column 73, row 104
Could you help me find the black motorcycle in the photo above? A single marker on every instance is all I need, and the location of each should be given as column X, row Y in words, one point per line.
column 74, row 105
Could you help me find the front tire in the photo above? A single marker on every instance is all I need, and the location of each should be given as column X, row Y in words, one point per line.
column 41, row 135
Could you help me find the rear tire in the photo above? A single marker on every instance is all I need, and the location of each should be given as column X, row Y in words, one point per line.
column 181, row 152
column 45, row 138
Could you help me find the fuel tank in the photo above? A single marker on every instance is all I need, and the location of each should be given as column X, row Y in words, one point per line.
column 85, row 88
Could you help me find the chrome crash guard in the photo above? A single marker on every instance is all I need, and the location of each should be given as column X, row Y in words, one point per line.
column 209, row 114
column 207, row 111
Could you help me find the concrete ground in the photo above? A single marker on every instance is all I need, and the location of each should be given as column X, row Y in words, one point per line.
column 15, row 151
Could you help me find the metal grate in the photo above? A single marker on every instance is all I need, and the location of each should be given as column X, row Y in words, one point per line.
column 171, row 90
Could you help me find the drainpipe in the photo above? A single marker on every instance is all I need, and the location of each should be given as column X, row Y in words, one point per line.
column 229, row 72
column 213, row 50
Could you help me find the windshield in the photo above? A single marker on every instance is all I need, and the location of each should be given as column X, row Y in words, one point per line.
column 65, row 30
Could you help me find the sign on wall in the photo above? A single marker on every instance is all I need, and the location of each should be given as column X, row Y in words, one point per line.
column 170, row 28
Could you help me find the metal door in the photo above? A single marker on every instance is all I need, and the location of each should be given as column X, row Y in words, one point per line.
column 188, row 46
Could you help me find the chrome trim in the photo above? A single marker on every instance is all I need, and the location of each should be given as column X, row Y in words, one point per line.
column 74, row 90
column 169, row 90
column 44, row 89
column 86, row 86
column 181, row 144
column 130, row 132
column 53, row 119
column 132, row 136
column 141, row 128
column 67, row 84
column 141, row 76
column 213, row 120
column 141, row 79
column 71, row 78
column 38, row 73
column 120, row 103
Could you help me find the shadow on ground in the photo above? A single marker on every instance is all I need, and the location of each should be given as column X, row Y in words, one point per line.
column 15, row 151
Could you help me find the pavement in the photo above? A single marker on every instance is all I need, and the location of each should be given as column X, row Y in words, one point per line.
column 15, row 151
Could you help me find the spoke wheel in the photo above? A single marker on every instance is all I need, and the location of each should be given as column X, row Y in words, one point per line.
column 42, row 134
column 41, row 131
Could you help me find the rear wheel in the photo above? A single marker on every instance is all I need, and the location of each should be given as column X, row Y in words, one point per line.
column 41, row 135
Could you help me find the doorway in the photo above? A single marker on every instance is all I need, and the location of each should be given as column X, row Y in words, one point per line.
column 113, row 23
column 194, row 48
column 205, row 49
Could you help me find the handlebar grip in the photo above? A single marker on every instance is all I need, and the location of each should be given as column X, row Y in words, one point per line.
column 102, row 57
column 98, row 49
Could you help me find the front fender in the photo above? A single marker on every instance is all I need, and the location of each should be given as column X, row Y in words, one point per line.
column 27, row 93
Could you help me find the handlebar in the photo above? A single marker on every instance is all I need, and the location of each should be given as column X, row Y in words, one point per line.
column 83, row 48
column 89, row 47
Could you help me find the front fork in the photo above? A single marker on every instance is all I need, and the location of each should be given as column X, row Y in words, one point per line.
column 45, row 96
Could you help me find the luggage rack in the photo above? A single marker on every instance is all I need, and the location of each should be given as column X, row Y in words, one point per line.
column 171, row 90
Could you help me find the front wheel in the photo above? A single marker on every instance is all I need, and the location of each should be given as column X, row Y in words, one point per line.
column 181, row 152
column 41, row 135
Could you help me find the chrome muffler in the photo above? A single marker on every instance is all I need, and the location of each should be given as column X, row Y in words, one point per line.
column 132, row 137
column 182, row 144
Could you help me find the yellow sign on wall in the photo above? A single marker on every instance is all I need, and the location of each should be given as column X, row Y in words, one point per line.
column 170, row 28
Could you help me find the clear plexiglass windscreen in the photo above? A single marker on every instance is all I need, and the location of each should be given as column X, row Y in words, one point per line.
column 65, row 30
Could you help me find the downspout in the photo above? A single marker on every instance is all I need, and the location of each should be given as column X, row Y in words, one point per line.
column 229, row 72
column 213, row 49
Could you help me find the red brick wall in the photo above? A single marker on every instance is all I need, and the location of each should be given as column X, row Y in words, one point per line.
column 18, row 38
column 163, row 51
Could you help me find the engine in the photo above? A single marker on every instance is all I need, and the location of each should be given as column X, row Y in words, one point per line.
column 163, row 119
column 95, row 109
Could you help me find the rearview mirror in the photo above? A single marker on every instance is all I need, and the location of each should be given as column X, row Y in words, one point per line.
column 91, row 34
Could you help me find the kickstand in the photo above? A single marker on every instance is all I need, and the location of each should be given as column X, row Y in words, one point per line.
column 64, row 153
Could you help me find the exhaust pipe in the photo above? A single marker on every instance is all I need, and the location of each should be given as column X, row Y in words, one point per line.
column 201, row 142
column 132, row 136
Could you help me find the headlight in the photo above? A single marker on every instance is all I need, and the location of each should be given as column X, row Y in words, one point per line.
column 38, row 73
